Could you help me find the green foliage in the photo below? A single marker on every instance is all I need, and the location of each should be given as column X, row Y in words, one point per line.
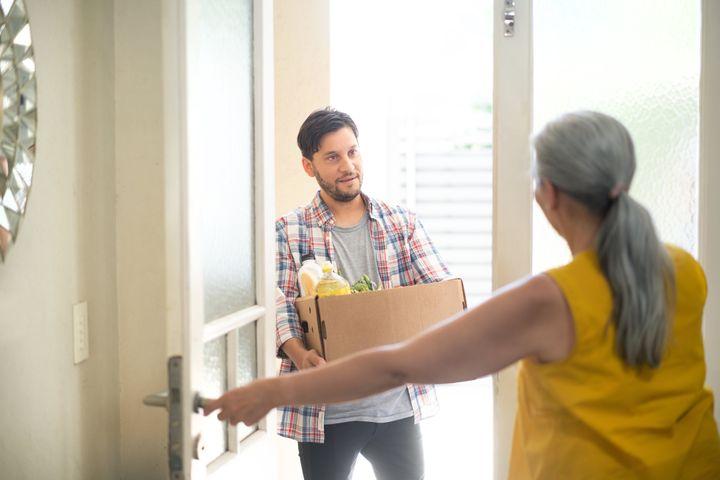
column 363, row 285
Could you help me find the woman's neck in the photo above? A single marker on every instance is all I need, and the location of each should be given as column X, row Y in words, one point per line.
column 581, row 232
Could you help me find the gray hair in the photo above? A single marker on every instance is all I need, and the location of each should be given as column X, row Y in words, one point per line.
column 590, row 156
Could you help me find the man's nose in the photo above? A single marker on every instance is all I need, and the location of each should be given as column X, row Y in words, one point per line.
column 346, row 164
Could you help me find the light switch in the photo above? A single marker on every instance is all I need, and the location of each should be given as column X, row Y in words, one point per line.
column 80, row 332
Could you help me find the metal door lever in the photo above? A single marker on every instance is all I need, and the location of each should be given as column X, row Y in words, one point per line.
column 161, row 400
column 199, row 402
column 171, row 400
column 157, row 400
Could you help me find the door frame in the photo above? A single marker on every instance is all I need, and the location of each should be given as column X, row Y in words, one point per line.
column 512, row 258
column 512, row 193
column 709, row 201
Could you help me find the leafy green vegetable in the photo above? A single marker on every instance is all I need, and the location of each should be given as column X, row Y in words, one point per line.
column 363, row 285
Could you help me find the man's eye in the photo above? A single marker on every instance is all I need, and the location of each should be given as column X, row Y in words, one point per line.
column 353, row 152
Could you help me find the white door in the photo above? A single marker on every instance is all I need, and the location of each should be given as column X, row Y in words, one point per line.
column 639, row 61
column 218, row 108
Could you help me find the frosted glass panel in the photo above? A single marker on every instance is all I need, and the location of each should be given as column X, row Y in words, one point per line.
column 247, row 354
column 214, row 384
column 246, row 364
column 222, row 123
column 640, row 62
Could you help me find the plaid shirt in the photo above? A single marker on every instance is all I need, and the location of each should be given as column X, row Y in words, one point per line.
column 405, row 256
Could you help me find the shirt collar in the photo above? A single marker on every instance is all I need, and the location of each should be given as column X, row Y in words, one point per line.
column 325, row 217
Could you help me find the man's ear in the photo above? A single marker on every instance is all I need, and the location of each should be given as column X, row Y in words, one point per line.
column 307, row 166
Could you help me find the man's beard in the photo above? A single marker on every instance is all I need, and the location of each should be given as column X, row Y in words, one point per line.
column 335, row 193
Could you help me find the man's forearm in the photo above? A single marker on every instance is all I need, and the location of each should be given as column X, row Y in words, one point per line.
column 294, row 349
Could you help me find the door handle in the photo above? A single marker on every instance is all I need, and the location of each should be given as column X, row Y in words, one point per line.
column 161, row 400
column 199, row 402
column 171, row 400
column 157, row 400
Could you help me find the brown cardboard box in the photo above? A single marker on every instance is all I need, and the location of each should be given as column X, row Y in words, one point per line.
column 341, row 325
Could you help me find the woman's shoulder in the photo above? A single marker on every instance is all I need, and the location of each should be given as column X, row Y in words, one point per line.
column 689, row 274
column 680, row 255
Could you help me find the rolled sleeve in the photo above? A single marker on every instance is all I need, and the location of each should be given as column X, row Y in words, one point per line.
column 287, row 323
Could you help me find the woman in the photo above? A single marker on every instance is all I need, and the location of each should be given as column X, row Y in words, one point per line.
column 612, row 367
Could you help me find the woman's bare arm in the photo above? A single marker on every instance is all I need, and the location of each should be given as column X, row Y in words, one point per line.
column 529, row 319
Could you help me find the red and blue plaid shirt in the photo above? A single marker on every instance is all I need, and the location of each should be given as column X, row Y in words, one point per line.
column 405, row 256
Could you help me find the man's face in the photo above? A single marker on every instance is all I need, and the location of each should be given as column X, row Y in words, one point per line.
column 337, row 165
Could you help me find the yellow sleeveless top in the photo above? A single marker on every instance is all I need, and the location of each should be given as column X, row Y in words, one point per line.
column 592, row 417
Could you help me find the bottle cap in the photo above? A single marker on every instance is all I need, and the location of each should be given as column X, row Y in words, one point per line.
column 307, row 256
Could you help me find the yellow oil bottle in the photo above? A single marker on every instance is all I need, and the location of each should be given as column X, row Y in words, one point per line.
column 331, row 283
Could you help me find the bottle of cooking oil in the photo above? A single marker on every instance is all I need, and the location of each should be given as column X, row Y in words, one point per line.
column 309, row 275
column 331, row 283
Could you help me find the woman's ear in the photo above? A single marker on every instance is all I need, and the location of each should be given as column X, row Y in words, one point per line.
column 552, row 194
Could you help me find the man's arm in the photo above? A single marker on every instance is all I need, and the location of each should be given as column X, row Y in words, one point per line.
column 428, row 265
column 288, row 332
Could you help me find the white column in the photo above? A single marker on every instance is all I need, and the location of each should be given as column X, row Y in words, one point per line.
column 709, row 192
column 512, row 200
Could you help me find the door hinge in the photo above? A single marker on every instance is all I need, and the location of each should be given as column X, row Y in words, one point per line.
column 509, row 18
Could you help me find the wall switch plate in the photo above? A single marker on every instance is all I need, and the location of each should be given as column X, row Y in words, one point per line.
column 80, row 332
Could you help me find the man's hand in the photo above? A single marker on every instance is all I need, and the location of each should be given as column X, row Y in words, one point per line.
column 300, row 356
column 247, row 404
column 311, row 359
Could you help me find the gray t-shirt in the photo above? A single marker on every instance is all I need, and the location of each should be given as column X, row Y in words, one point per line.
column 355, row 257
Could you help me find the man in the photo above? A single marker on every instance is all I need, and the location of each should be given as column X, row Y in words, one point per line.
column 361, row 236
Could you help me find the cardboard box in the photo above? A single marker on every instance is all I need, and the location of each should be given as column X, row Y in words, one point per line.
column 341, row 325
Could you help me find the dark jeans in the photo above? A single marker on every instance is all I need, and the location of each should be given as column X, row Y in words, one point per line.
column 394, row 449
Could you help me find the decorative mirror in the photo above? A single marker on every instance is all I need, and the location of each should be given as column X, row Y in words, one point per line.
column 19, row 117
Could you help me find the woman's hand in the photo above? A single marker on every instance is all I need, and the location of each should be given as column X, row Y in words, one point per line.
column 247, row 404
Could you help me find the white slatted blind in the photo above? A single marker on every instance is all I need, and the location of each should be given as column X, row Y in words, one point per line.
column 444, row 174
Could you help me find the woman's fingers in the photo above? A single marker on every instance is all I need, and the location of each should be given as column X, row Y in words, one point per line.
column 239, row 405
column 223, row 415
column 210, row 406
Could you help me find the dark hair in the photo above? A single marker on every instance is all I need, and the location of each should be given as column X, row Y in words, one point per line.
column 317, row 125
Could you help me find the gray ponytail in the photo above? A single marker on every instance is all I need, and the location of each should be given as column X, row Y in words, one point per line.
column 590, row 156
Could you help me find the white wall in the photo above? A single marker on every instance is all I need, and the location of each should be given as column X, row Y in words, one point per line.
column 302, row 84
column 60, row 420
column 141, row 249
